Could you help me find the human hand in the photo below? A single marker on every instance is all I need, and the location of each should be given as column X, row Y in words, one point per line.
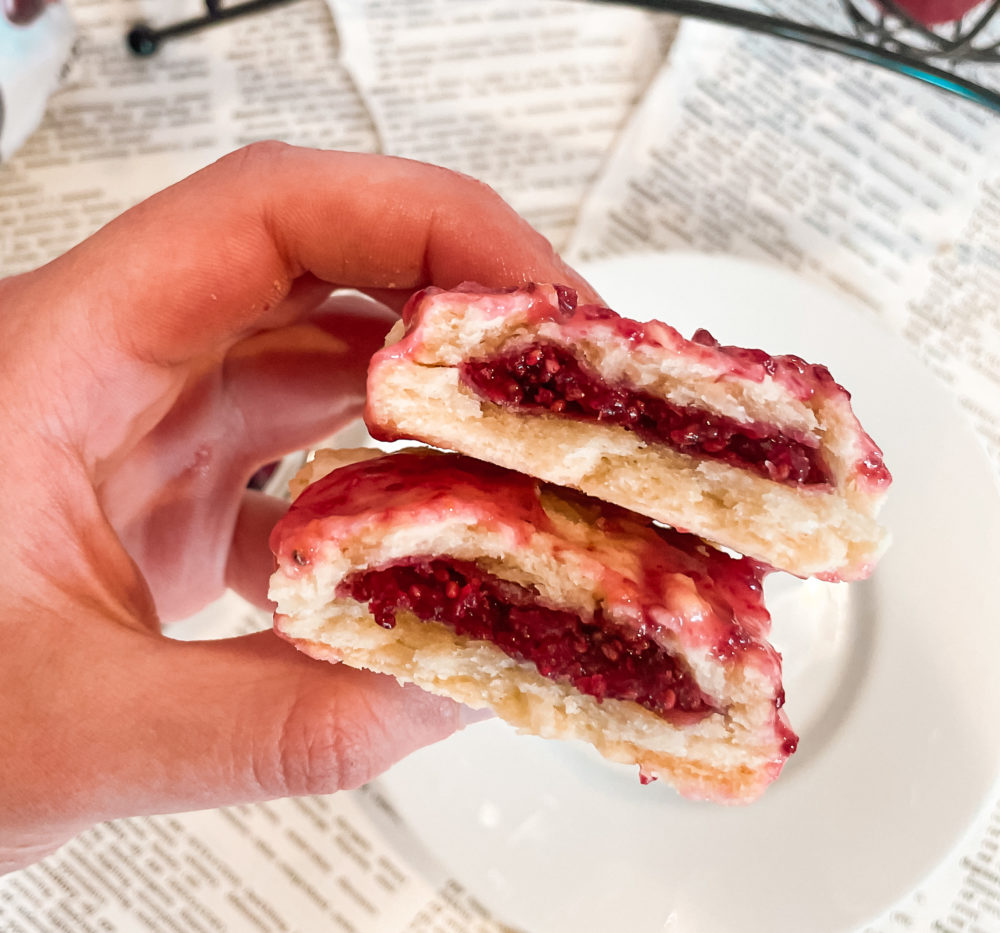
column 147, row 374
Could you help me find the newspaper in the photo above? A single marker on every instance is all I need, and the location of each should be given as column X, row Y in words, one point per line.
column 529, row 97
column 733, row 143
column 124, row 127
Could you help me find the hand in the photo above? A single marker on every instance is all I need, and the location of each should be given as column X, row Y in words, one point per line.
column 23, row 12
column 146, row 375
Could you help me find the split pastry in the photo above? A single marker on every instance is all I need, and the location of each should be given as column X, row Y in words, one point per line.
column 569, row 617
column 761, row 454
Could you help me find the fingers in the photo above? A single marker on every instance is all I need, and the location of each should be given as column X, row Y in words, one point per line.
column 277, row 391
column 212, row 257
column 251, row 563
column 277, row 723
column 152, row 726
column 296, row 385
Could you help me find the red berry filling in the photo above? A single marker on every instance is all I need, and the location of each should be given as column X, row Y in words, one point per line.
column 596, row 660
column 546, row 377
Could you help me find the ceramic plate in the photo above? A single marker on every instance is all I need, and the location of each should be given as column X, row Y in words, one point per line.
column 891, row 684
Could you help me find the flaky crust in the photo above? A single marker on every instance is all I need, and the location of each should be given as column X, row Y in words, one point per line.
column 728, row 756
column 482, row 676
column 415, row 391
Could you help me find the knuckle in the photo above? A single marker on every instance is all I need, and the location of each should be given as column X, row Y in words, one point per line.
column 477, row 189
column 320, row 751
column 254, row 157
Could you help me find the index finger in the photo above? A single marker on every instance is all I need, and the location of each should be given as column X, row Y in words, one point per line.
column 211, row 258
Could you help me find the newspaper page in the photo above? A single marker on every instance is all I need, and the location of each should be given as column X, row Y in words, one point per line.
column 864, row 181
column 527, row 97
column 123, row 127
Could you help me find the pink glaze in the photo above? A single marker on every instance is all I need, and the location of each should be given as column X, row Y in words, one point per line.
column 539, row 304
column 653, row 579
column 404, row 487
column 660, row 587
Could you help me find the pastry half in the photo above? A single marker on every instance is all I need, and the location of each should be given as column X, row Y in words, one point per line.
column 569, row 617
column 762, row 454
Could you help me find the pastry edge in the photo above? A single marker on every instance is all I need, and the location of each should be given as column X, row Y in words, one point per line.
column 828, row 534
column 535, row 705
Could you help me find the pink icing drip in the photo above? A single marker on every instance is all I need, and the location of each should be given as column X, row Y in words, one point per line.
column 406, row 486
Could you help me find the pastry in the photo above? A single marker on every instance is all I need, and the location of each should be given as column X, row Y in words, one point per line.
column 569, row 617
column 761, row 454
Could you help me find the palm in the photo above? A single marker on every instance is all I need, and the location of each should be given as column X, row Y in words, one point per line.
column 176, row 494
column 144, row 376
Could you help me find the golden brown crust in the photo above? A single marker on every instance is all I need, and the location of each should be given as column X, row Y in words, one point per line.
column 481, row 677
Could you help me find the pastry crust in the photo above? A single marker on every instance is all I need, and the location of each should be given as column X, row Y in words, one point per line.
column 577, row 555
column 416, row 390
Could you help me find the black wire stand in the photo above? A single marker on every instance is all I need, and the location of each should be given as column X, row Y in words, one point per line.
column 889, row 26
column 144, row 39
column 881, row 32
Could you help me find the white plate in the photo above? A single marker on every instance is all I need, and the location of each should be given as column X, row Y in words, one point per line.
column 891, row 683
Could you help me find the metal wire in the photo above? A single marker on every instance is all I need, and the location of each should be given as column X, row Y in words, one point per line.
column 876, row 53
column 144, row 39
column 885, row 34
column 889, row 25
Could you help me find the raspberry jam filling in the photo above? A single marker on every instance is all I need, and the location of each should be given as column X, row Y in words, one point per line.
column 546, row 377
column 561, row 645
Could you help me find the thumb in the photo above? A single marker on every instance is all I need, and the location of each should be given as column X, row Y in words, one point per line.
column 284, row 724
column 153, row 725
column 298, row 384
